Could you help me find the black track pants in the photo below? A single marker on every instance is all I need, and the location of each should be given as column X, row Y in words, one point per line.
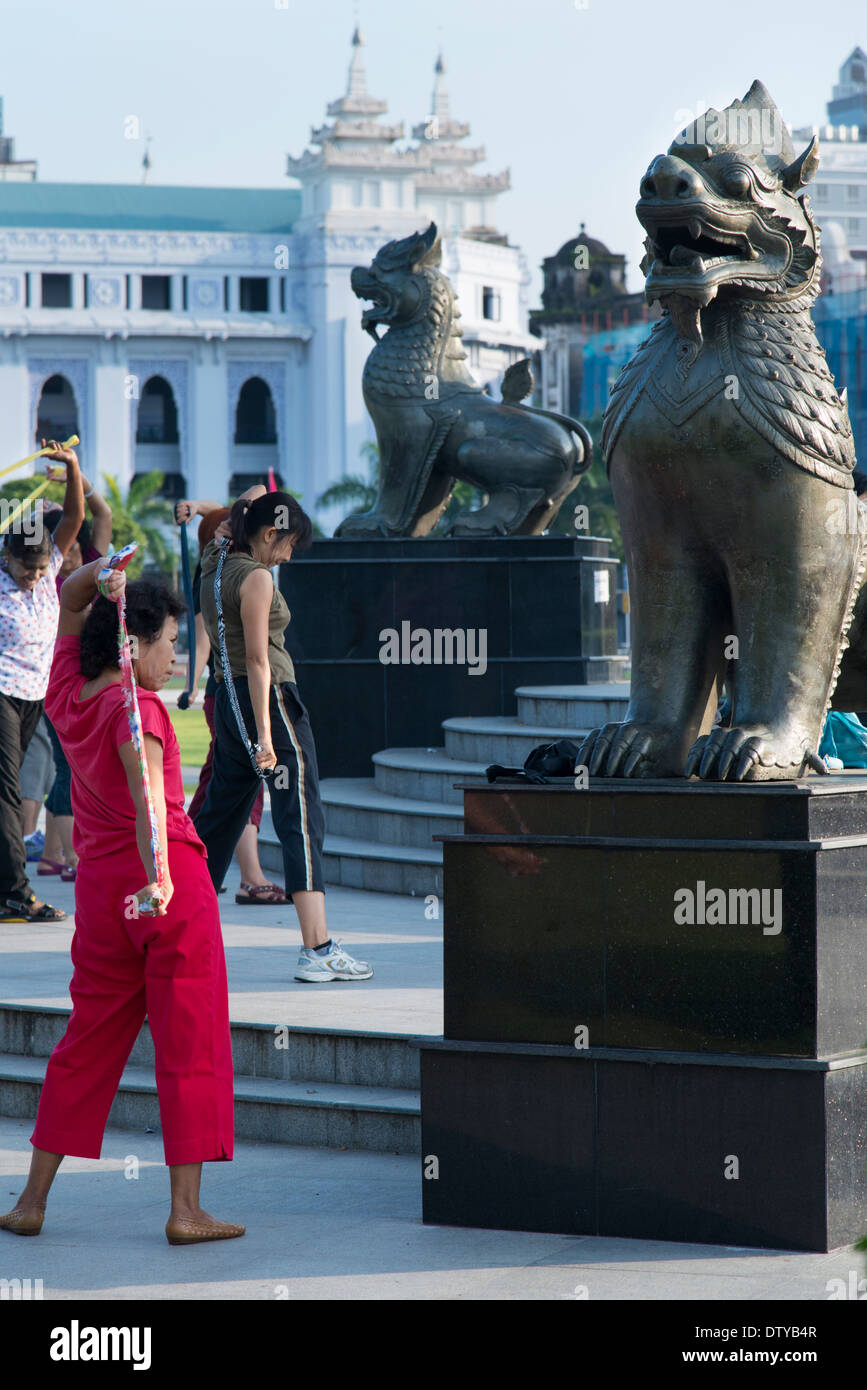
column 18, row 719
column 296, row 810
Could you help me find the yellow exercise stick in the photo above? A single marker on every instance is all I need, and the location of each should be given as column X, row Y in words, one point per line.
column 69, row 443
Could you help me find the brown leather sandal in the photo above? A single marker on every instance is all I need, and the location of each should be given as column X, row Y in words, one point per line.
column 260, row 894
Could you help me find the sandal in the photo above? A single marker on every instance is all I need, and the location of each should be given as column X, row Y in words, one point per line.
column 260, row 894
column 54, row 868
column 16, row 911
column 67, row 874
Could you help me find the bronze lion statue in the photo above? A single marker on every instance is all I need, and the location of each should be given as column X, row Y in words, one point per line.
column 435, row 425
column 730, row 455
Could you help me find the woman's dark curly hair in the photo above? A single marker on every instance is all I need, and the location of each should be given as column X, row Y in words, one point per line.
column 149, row 602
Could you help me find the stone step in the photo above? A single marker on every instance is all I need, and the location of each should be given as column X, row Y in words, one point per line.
column 368, row 864
column 315, row 1113
column 501, row 738
column 572, row 706
column 424, row 774
column 328, row 1087
column 356, row 809
column 283, row 1053
column 380, row 832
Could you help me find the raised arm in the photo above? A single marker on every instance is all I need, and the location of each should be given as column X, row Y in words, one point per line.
column 78, row 593
column 257, row 490
column 101, row 516
column 189, row 507
column 73, row 502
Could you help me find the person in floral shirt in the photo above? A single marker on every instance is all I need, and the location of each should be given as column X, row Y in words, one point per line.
column 29, row 610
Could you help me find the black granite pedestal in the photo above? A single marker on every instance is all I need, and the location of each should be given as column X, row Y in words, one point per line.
column 547, row 605
column 655, row 1013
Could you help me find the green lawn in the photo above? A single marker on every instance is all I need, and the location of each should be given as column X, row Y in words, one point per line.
column 192, row 734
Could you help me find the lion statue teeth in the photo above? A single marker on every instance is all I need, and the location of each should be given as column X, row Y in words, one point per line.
column 728, row 449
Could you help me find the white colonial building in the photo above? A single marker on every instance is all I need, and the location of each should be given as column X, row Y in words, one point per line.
column 212, row 332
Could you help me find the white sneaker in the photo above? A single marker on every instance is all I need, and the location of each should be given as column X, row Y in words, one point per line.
column 336, row 965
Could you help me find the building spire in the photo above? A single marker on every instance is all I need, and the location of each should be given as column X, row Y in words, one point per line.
column 357, row 105
column 146, row 162
column 439, row 124
column 439, row 102
column 356, row 85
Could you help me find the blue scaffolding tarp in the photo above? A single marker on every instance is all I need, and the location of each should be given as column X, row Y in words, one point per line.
column 604, row 355
column 841, row 325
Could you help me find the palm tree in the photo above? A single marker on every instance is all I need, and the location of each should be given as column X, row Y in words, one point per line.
column 145, row 517
column 354, row 489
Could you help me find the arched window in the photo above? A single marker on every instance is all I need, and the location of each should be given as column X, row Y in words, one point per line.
column 57, row 412
column 157, row 414
column 255, row 418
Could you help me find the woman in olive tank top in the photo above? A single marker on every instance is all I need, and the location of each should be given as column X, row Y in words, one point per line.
column 265, row 529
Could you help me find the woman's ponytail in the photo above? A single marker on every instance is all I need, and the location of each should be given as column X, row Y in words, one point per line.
column 238, row 523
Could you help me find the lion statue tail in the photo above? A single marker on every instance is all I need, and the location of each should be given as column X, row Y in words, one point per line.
column 517, row 385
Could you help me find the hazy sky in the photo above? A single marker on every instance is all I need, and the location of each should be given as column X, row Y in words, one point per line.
column 574, row 96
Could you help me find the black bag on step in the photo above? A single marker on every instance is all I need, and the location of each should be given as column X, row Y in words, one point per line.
column 541, row 764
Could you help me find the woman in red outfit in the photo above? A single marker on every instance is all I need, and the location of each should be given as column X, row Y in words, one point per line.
column 169, row 965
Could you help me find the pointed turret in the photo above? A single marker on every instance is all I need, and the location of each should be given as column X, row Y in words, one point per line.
column 439, row 124
column 355, row 127
column 447, row 164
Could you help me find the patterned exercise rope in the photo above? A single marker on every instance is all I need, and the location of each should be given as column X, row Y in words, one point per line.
column 252, row 748
column 184, row 697
column 119, row 561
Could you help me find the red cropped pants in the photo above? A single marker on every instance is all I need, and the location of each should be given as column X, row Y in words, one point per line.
column 172, row 969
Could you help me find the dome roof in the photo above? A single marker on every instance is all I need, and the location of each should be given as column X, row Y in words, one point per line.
column 596, row 249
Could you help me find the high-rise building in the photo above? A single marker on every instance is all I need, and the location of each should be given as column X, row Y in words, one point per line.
column 13, row 170
column 839, row 190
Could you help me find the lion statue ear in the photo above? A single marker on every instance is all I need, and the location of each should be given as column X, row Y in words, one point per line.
column 802, row 169
column 429, row 250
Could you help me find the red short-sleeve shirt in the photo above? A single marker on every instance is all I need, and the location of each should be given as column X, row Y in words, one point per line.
column 91, row 731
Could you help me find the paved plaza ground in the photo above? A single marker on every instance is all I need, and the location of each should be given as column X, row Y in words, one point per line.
column 327, row 1223
column 262, row 945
